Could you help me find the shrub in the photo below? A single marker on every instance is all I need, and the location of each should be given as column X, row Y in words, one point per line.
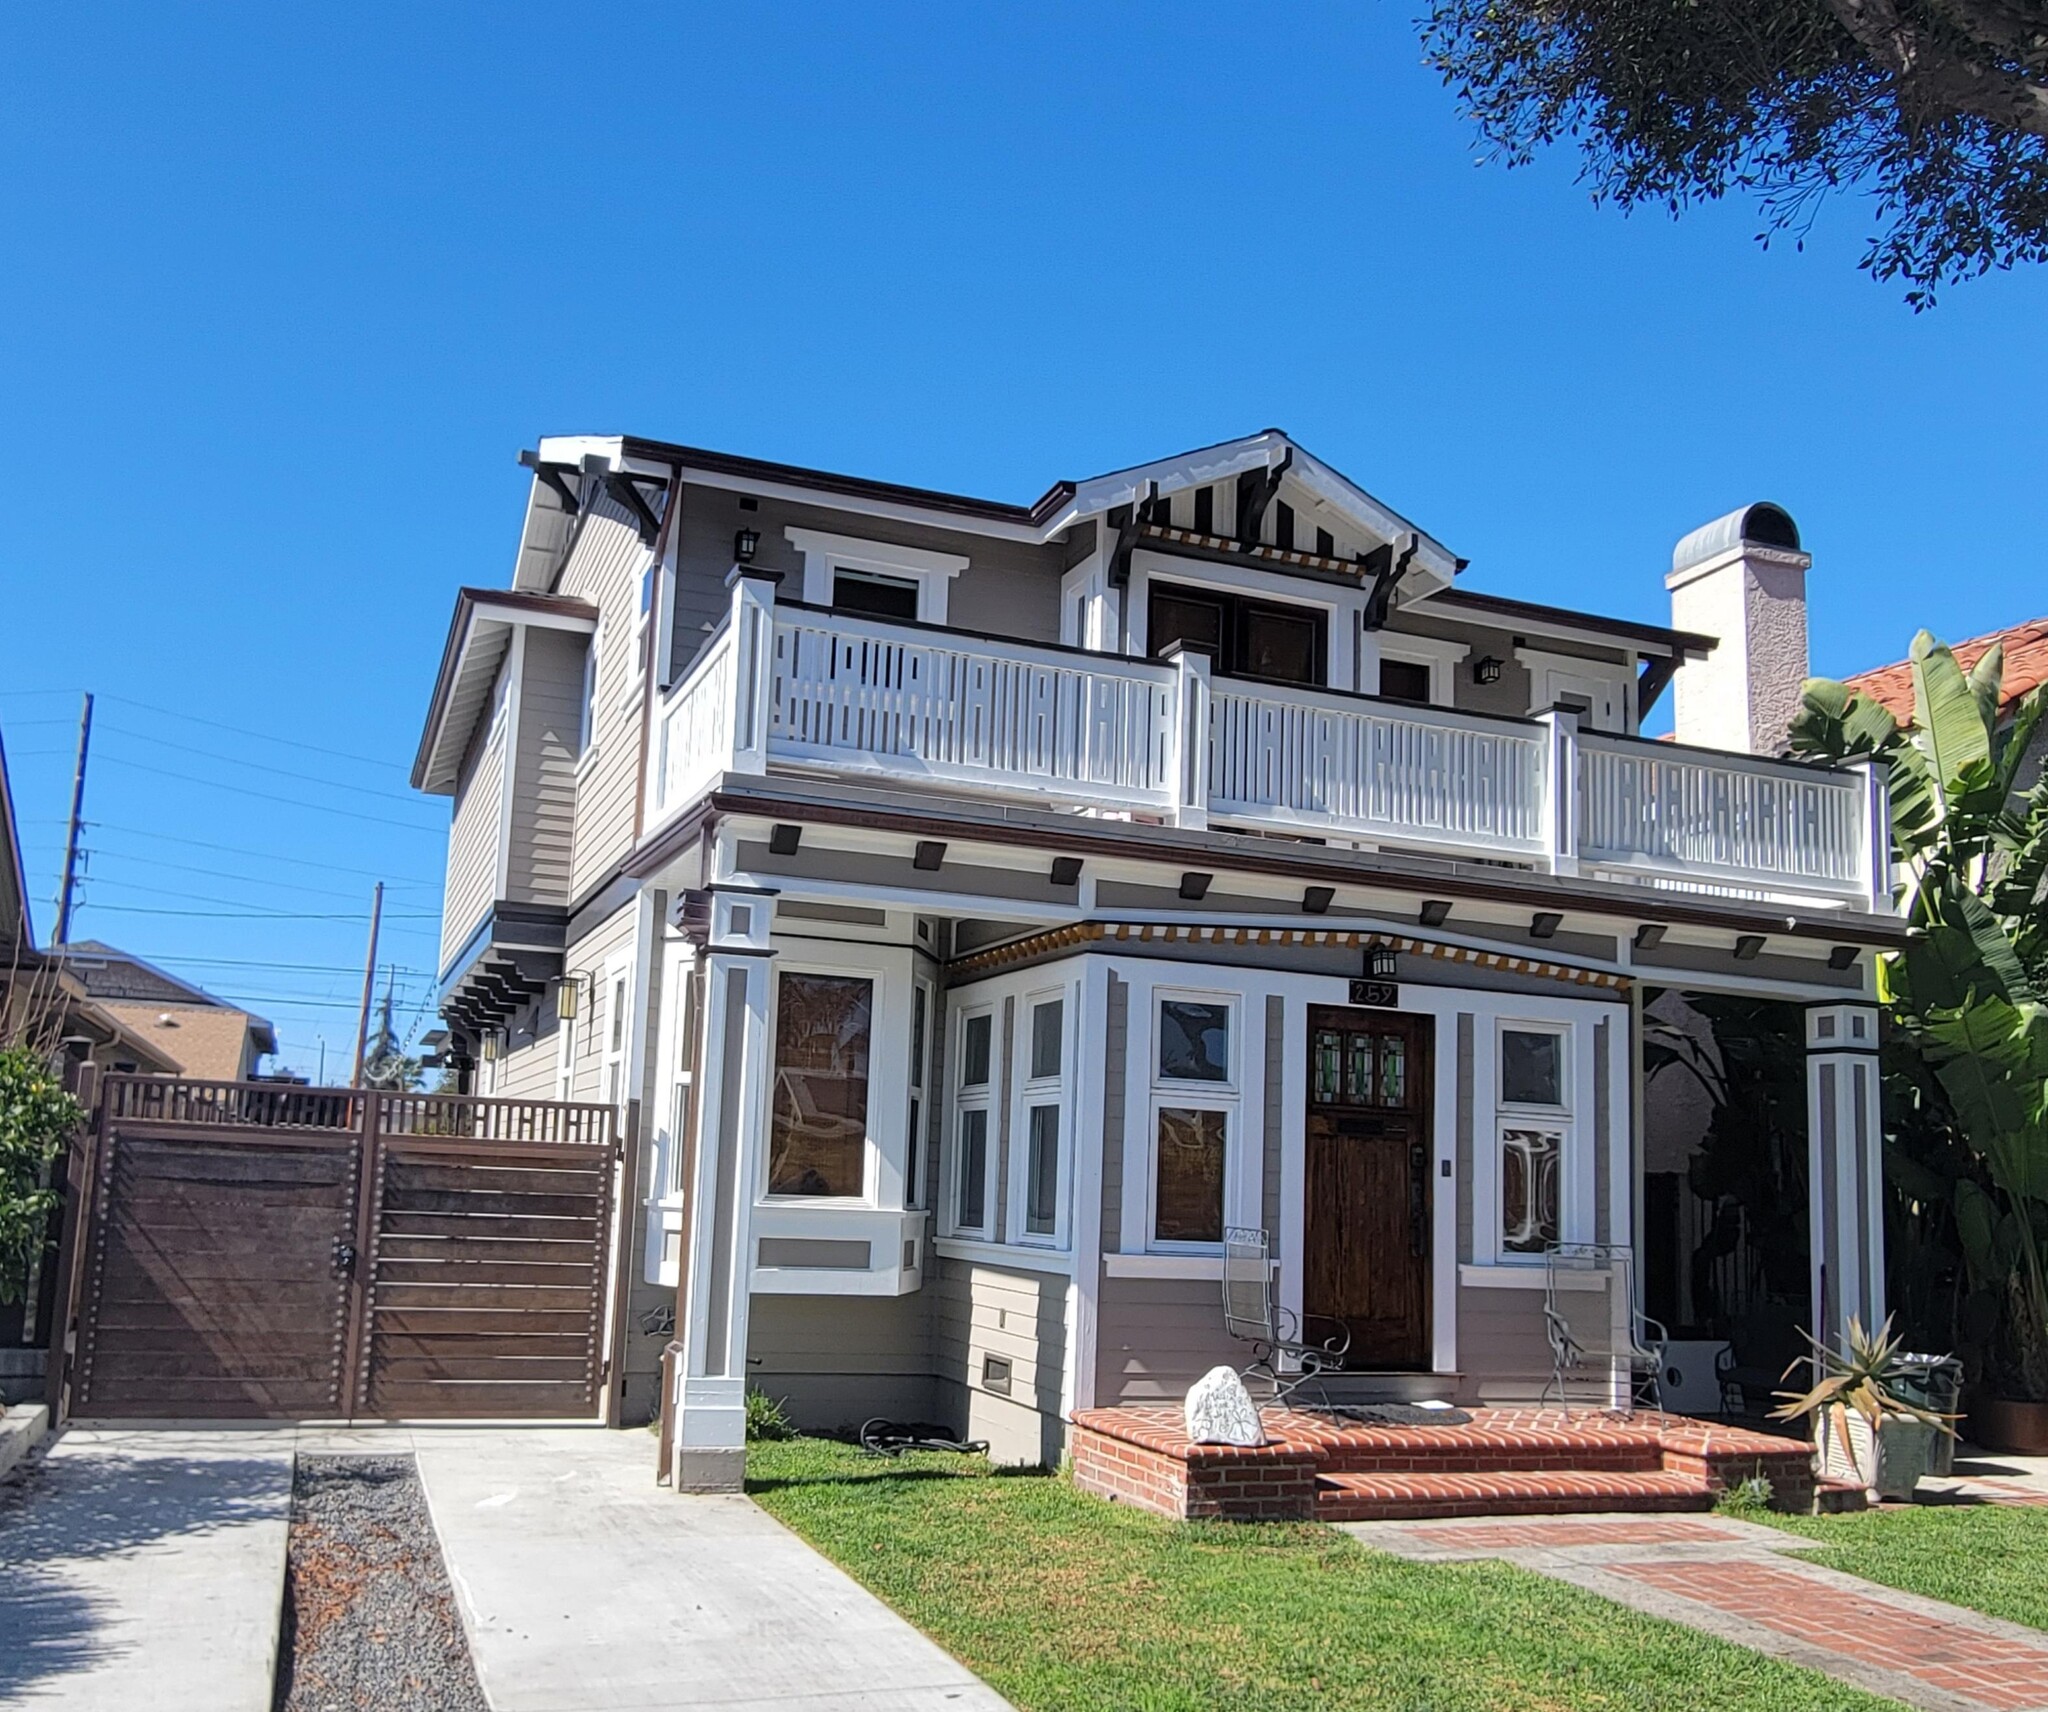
column 1746, row 1497
column 766, row 1417
column 36, row 1119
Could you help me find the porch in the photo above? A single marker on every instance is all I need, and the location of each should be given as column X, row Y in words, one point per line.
column 787, row 687
column 1484, row 1462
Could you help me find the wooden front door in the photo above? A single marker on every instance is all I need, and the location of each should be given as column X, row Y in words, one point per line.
column 1366, row 1254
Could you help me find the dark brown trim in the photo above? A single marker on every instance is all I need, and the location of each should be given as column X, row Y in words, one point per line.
column 1145, row 843
column 1499, row 606
column 687, row 458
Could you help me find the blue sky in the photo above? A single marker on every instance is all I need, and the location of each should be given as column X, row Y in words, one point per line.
column 286, row 289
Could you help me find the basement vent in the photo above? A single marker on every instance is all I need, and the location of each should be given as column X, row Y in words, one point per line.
column 995, row 1374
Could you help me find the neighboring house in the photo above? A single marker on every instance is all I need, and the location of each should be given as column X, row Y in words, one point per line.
column 988, row 905
column 2026, row 670
column 200, row 1035
column 43, row 1003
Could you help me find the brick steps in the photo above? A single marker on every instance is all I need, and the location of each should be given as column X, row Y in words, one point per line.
column 1411, row 1497
column 1496, row 1452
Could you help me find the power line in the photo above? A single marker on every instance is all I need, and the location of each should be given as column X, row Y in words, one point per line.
column 245, row 733
column 254, row 915
column 271, row 796
column 239, row 850
column 170, row 892
column 155, row 862
column 259, row 767
column 264, row 963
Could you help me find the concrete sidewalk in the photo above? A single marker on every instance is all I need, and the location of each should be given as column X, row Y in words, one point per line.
column 587, row 1588
column 145, row 1569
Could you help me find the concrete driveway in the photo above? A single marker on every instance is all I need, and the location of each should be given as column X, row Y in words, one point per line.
column 145, row 1568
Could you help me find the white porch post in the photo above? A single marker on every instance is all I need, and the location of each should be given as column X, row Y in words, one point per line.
column 1844, row 1169
column 1561, row 791
column 1191, row 737
column 735, row 1063
column 753, row 632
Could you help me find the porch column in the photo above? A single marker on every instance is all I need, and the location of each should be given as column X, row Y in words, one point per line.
column 711, row 1385
column 1844, row 1169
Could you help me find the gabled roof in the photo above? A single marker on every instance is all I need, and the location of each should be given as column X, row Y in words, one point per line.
column 2026, row 668
column 135, row 991
column 478, row 636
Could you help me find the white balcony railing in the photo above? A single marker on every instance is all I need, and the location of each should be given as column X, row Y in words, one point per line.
column 793, row 686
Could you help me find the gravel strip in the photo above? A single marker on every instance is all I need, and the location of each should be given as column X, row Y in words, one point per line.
column 370, row 1619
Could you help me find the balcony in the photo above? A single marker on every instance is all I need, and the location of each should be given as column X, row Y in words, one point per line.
column 792, row 687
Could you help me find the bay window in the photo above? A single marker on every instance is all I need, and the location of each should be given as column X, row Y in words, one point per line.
column 1194, row 1119
column 818, row 1126
column 971, row 1122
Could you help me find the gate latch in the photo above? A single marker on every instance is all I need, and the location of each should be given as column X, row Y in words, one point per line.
column 344, row 1255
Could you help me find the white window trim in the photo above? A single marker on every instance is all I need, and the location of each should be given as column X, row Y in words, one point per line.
column 1054, row 1091
column 1225, row 1096
column 590, row 689
column 1552, row 675
column 674, row 1080
column 617, row 1041
column 1341, row 610
column 960, row 1099
column 886, row 1105
column 1574, row 1121
column 917, row 1196
column 1442, row 657
column 823, row 553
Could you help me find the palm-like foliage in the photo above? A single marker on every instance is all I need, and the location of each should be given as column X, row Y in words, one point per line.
column 1864, row 1378
column 1970, row 837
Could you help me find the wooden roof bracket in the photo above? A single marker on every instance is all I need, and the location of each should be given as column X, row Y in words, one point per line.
column 1129, row 521
column 1387, row 577
column 623, row 486
column 554, row 477
column 1658, row 671
column 1255, row 491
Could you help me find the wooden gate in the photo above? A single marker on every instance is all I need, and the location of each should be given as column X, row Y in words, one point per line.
column 247, row 1249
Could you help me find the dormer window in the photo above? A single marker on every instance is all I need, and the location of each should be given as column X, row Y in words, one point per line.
column 1244, row 638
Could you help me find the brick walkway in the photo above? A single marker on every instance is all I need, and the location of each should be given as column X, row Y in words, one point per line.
column 1746, row 1584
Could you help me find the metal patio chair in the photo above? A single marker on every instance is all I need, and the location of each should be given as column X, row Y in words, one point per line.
column 1251, row 1315
column 1595, row 1328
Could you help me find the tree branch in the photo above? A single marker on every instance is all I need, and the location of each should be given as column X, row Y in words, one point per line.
column 1933, row 77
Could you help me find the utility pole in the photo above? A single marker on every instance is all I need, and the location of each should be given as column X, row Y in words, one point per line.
column 321, row 1080
column 63, row 934
column 369, row 984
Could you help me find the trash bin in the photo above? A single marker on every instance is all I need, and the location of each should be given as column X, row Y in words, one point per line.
column 1933, row 1382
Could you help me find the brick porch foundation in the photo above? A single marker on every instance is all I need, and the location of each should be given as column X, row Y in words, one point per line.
column 1506, row 1462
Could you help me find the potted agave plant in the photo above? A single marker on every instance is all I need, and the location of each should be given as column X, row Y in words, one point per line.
column 1867, row 1432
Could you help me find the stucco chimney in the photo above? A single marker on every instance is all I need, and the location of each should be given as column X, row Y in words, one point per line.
column 1742, row 580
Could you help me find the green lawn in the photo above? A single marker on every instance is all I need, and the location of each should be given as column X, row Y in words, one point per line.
column 1992, row 1558
column 1063, row 1601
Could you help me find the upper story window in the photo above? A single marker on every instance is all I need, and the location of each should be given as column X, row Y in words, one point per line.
column 1405, row 680
column 873, row 594
column 586, row 716
column 1245, row 638
column 876, row 579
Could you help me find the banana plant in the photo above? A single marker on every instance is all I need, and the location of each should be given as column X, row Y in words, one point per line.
column 1970, row 842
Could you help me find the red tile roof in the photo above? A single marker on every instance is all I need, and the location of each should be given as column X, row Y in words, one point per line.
column 2026, row 668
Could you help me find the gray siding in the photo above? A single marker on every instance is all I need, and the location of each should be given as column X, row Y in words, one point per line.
column 836, row 1361
column 1276, row 1064
column 472, row 871
column 1019, row 1317
column 1155, row 1337
column 606, row 569
column 544, row 769
column 1502, row 1350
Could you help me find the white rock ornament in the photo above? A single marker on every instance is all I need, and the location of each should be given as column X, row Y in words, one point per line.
column 1219, row 1410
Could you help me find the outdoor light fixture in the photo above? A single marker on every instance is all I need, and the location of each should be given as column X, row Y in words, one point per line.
column 930, row 855
column 784, row 838
column 1649, row 935
column 1317, row 899
column 1544, row 924
column 1195, row 887
column 1436, row 912
column 1381, row 962
column 1747, row 946
column 491, row 1046
column 744, row 544
column 565, row 996
column 1486, row 670
column 1066, row 870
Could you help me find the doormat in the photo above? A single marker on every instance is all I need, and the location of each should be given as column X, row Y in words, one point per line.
column 1393, row 1414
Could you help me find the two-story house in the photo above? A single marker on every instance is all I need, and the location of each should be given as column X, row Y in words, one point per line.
column 990, row 905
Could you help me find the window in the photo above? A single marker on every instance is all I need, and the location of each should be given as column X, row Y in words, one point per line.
column 1188, row 1180
column 1194, row 1041
column 920, row 1072
column 1535, row 1131
column 586, row 719
column 877, row 596
column 817, row 1137
column 974, row 1168
column 615, row 1036
column 1245, row 638
column 974, row 1093
column 1046, row 1025
column 1042, row 1172
column 1405, row 680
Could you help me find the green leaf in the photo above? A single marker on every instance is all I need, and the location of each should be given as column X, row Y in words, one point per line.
column 1987, row 678
column 1950, row 718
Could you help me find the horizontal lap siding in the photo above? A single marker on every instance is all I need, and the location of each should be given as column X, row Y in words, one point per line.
column 472, row 870
column 836, row 1361
column 593, row 1025
column 606, row 569
column 980, row 1311
column 1156, row 1336
column 544, row 770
